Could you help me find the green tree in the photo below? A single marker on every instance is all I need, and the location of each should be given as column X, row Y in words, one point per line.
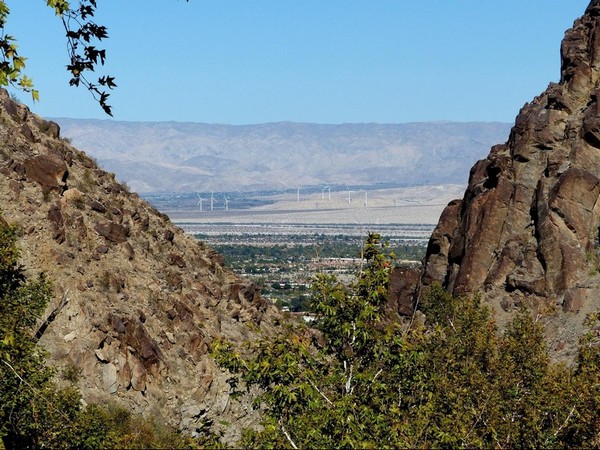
column 33, row 411
column 364, row 378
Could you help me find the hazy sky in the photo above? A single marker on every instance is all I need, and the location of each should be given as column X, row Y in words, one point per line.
column 323, row 61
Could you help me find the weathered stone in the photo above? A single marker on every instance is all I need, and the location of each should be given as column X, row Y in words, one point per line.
column 48, row 171
column 97, row 206
column 402, row 290
column 56, row 219
column 177, row 260
column 113, row 232
column 109, row 378
column 575, row 299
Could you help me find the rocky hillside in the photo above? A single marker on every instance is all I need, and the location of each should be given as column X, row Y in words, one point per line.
column 528, row 227
column 196, row 157
column 137, row 302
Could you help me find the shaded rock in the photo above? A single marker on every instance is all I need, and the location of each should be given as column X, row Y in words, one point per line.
column 57, row 223
column 177, row 260
column 402, row 290
column 113, row 232
column 97, row 206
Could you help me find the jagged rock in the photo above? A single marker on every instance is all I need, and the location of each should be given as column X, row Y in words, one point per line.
column 530, row 217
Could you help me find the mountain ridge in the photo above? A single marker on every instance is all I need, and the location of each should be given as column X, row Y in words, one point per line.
column 202, row 157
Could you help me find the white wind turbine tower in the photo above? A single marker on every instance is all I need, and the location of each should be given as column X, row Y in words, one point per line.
column 212, row 200
column 328, row 193
column 349, row 194
column 366, row 200
column 226, row 202
column 200, row 200
column 298, row 195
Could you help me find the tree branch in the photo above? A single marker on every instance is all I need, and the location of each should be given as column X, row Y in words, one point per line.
column 319, row 391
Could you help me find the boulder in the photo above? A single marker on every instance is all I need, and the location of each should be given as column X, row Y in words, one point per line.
column 49, row 171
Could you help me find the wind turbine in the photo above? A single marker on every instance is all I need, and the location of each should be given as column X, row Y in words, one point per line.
column 212, row 200
column 366, row 200
column 200, row 200
column 226, row 202
column 298, row 195
column 328, row 192
column 349, row 194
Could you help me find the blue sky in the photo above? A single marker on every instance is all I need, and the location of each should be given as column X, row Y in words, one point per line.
column 321, row 61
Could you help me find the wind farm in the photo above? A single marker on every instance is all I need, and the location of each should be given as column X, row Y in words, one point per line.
column 330, row 204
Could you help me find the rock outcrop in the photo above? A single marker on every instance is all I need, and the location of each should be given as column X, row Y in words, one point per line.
column 137, row 302
column 528, row 226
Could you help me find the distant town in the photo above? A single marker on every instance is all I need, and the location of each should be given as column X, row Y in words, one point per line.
column 281, row 240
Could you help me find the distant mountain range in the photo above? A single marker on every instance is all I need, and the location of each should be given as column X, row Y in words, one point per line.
column 154, row 157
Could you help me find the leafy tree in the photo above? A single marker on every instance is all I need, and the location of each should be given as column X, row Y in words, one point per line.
column 33, row 412
column 82, row 37
column 364, row 378
column 82, row 34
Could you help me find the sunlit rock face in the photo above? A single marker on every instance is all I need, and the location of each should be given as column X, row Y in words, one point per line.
column 137, row 303
column 527, row 228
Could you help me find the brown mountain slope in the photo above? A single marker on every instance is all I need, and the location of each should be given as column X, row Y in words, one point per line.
column 527, row 228
column 137, row 302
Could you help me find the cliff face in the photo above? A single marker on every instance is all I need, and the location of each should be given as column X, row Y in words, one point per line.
column 137, row 302
column 527, row 228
